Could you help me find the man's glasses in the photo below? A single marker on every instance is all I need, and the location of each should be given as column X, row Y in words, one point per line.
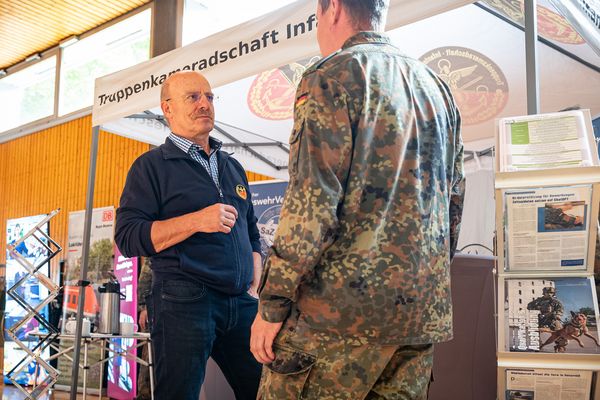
column 193, row 98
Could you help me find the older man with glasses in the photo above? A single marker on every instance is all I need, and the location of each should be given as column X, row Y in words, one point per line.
column 186, row 205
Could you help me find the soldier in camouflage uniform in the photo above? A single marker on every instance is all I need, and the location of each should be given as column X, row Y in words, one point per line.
column 356, row 288
column 551, row 309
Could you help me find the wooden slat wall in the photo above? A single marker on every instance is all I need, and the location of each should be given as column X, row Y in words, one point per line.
column 254, row 177
column 48, row 170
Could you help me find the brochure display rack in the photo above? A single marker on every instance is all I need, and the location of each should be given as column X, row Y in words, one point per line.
column 32, row 310
column 547, row 191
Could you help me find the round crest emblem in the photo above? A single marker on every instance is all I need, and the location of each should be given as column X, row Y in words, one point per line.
column 241, row 191
column 272, row 94
column 267, row 225
column 550, row 24
column 554, row 26
column 477, row 83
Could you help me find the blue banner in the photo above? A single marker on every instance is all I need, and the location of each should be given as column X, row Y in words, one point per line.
column 267, row 198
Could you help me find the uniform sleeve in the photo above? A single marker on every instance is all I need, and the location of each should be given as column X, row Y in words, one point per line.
column 457, row 192
column 532, row 304
column 139, row 208
column 320, row 153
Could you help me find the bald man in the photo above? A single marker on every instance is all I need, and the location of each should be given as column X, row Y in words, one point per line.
column 186, row 205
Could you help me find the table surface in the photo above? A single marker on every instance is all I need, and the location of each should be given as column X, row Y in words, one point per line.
column 135, row 335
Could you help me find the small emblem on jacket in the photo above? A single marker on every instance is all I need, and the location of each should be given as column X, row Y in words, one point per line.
column 301, row 100
column 241, row 191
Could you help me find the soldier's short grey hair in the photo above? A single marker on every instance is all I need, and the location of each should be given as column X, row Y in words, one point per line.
column 366, row 15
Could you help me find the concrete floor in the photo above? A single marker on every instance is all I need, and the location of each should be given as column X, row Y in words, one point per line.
column 9, row 392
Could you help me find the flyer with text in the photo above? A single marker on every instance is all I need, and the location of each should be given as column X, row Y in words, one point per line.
column 547, row 228
column 544, row 141
column 548, row 384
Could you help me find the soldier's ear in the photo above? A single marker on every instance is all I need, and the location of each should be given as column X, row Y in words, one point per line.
column 335, row 8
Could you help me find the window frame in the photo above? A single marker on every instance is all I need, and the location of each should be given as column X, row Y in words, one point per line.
column 54, row 119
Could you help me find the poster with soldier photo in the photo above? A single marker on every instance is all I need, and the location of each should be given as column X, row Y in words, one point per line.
column 552, row 315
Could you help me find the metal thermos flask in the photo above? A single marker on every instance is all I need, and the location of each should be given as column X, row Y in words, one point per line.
column 110, row 307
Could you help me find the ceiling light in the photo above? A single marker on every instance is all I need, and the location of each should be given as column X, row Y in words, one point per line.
column 2, row 73
column 68, row 41
column 33, row 57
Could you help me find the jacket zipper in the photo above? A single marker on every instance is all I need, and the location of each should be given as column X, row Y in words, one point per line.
column 220, row 179
column 233, row 231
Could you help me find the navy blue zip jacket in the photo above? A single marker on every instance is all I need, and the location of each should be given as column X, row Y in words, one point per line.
column 166, row 182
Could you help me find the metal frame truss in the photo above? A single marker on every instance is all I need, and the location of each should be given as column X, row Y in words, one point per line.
column 33, row 270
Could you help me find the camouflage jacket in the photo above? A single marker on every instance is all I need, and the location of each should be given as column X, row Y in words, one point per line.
column 144, row 283
column 372, row 211
column 548, row 307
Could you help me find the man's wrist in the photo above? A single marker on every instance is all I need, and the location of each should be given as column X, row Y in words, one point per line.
column 196, row 222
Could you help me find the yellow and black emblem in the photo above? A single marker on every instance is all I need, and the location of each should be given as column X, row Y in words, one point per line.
column 241, row 191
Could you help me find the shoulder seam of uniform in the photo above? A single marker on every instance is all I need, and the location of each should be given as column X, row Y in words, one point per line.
column 322, row 61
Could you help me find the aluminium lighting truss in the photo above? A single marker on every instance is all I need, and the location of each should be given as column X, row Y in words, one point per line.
column 34, row 355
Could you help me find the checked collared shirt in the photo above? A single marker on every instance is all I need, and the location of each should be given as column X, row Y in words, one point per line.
column 199, row 155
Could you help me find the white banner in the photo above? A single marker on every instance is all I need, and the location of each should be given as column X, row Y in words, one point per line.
column 270, row 41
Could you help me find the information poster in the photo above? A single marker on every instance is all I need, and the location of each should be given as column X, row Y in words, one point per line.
column 552, row 315
column 548, row 229
column 122, row 372
column 267, row 198
column 31, row 291
column 548, row 384
column 100, row 263
column 545, row 141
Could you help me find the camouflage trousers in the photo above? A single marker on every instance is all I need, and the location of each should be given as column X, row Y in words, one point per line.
column 314, row 366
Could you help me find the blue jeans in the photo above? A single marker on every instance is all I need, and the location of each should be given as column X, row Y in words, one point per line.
column 191, row 322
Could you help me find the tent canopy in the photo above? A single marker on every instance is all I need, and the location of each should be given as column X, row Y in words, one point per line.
column 480, row 55
column 270, row 41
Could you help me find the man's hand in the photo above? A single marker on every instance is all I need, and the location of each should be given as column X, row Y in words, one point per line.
column 253, row 291
column 263, row 334
column 143, row 320
column 217, row 218
column 257, row 258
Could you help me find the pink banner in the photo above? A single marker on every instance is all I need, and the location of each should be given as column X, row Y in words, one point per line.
column 122, row 372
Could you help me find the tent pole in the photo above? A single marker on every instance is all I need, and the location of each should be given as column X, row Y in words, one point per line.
column 89, row 204
column 531, row 58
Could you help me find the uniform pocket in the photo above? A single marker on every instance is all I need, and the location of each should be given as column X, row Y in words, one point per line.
column 295, row 140
column 287, row 375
